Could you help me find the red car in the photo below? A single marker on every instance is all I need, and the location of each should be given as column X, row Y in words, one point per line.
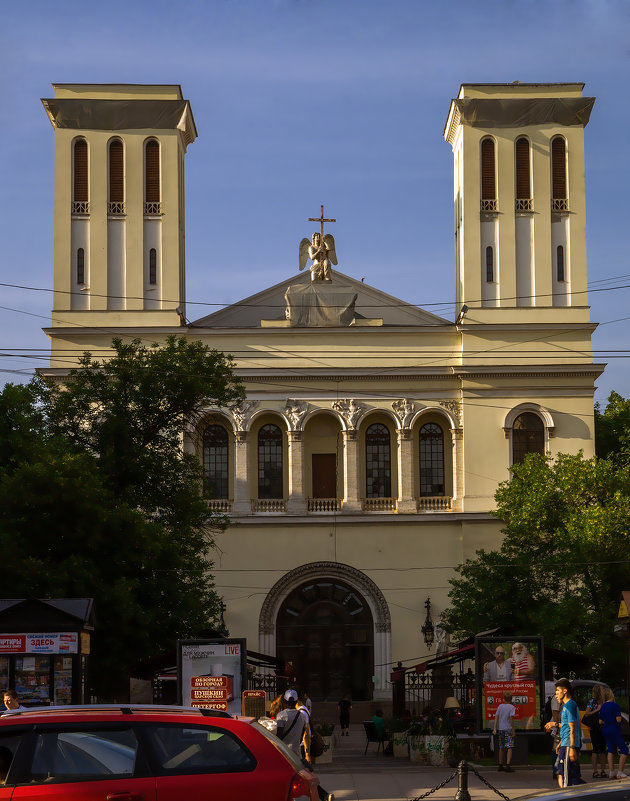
column 147, row 753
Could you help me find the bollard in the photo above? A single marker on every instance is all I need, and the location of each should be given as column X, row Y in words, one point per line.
column 462, row 793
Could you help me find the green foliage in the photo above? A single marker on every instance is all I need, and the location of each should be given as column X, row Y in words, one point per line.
column 563, row 561
column 98, row 498
column 612, row 427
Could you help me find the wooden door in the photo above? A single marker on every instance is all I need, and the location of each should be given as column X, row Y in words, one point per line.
column 324, row 475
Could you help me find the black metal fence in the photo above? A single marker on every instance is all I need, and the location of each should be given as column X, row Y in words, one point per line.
column 431, row 689
column 273, row 685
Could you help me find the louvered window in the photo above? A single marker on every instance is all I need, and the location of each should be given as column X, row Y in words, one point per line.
column 431, row 459
column 489, row 264
column 560, row 263
column 378, row 462
column 215, row 462
column 116, row 176
column 152, row 174
column 523, row 189
column 80, row 196
column 270, row 480
column 153, row 266
column 80, row 266
column 559, row 199
column 488, row 183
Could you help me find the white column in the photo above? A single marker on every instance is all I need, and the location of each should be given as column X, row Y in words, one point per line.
column 297, row 503
column 457, row 439
column 242, row 495
column 406, row 499
column 351, row 500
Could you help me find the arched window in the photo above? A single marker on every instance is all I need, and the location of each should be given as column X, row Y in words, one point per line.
column 528, row 436
column 215, row 462
column 431, row 460
column 80, row 266
column 560, row 263
column 488, row 181
column 116, row 177
column 270, row 480
column 378, row 470
column 558, row 169
column 523, row 187
column 153, row 266
column 152, row 177
column 80, row 189
column 489, row 264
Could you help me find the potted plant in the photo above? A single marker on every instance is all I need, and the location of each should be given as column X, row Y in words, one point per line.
column 398, row 729
column 325, row 731
column 416, row 735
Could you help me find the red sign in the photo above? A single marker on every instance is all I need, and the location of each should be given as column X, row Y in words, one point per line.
column 523, row 697
column 210, row 705
column 254, row 694
column 209, row 695
column 209, row 681
column 12, row 643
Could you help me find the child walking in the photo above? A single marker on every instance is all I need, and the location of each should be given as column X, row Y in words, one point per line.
column 504, row 722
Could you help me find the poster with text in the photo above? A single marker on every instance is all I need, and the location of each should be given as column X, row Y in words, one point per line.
column 509, row 670
column 212, row 674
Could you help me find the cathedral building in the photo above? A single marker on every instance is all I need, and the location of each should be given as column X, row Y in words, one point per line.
column 361, row 469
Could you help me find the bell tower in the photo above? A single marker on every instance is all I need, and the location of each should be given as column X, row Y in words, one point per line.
column 119, row 203
column 519, row 221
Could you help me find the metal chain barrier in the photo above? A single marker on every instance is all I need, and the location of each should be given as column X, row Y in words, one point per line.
column 439, row 787
column 462, row 793
column 487, row 783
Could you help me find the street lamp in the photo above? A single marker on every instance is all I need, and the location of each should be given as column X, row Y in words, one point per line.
column 428, row 630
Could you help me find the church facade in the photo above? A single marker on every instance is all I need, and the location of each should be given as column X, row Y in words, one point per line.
column 361, row 469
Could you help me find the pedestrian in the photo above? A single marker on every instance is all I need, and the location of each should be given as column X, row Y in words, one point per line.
column 12, row 702
column 277, row 705
column 306, row 700
column 610, row 718
column 344, row 706
column 598, row 741
column 294, row 723
column 504, row 722
column 570, row 736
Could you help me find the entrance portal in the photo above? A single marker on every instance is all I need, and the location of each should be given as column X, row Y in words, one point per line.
column 325, row 629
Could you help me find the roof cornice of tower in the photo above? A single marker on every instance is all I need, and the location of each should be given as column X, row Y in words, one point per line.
column 519, row 89
column 122, row 115
column 516, row 112
column 118, row 91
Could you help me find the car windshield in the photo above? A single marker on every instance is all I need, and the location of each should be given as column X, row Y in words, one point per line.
column 294, row 759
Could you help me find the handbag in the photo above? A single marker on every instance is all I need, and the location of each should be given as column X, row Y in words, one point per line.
column 317, row 744
column 591, row 720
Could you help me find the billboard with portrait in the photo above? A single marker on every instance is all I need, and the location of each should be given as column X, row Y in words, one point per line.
column 512, row 665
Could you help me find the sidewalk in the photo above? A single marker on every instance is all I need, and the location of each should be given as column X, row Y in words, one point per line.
column 374, row 777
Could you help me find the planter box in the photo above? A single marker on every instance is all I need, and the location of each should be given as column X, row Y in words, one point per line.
column 327, row 756
column 428, row 749
column 400, row 744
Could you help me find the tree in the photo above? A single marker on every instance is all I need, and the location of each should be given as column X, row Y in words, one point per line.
column 612, row 427
column 99, row 499
column 563, row 560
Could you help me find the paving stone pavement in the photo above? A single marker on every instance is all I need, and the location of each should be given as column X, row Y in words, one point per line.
column 353, row 776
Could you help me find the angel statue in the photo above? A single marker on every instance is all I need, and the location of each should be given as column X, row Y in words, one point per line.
column 322, row 253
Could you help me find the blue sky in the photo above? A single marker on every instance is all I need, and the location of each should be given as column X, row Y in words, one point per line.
column 303, row 102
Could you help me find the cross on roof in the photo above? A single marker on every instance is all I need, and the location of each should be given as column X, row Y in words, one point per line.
column 321, row 219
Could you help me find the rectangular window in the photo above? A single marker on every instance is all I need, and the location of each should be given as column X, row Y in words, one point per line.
column 83, row 754
column 190, row 749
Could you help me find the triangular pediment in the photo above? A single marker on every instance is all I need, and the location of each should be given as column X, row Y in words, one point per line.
column 270, row 305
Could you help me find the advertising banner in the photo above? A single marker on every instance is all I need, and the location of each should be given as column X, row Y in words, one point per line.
column 212, row 674
column 509, row 670
column 50, row 643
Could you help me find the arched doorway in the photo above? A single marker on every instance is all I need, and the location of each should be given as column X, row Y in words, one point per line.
column 325, row 629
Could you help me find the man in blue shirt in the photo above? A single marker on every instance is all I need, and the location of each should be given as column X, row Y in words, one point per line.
column 570, row 736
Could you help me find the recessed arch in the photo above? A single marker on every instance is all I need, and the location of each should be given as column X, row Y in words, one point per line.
column 330, row 571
